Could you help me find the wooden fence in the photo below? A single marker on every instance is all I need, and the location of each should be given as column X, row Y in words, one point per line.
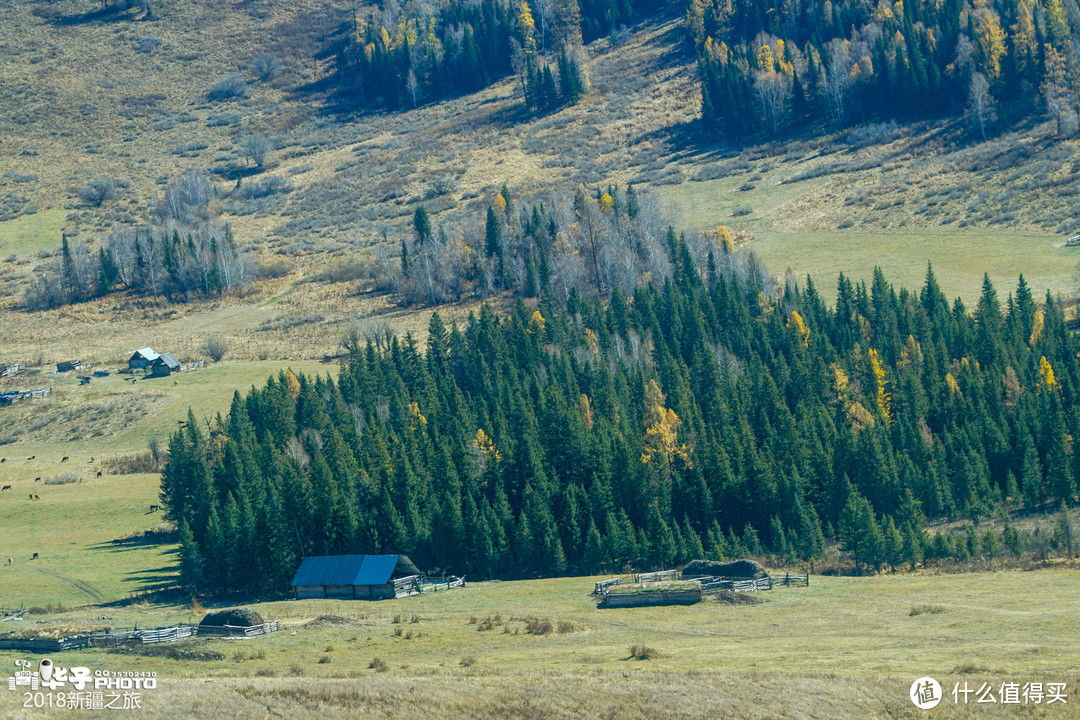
column 8, row 614
column 239, row 630
column 13, row 396
column 708, row 586
column 603, row 585
column 658, row 576
column 431, row 584
column 134, row 636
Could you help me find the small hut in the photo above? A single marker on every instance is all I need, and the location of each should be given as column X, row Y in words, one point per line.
column 68, row 366
column 359, row 577
column 165, row 365
column 143, row 359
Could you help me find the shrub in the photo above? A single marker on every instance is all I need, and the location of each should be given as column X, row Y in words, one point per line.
column 215, row 348
column 147, row 44
column 230, row 86
column 378, row 665
column 265, row 67
column 925, row 609
column 642, row 652
column 272, row 268
column 468, row 661
column 60, row 480
column 538, row 626
column 265, row 188
column 98, row 191
column 740, row 210
column 141, row 462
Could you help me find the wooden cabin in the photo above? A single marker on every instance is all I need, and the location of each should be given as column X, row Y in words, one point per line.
column 356, row 577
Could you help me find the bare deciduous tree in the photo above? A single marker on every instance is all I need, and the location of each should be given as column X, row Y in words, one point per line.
column 837, row 79
column 981, row 103
column 256, row 148
column 412, row 86
column 773, row 92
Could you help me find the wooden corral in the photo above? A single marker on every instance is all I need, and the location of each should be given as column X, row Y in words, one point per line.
column 116, row 638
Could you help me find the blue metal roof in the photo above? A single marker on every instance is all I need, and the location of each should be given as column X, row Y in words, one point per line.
column 348, row 569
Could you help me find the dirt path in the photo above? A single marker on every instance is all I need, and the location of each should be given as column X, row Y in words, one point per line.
column 92, row 592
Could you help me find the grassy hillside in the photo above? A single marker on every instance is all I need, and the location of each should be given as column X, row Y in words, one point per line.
column 357, row 178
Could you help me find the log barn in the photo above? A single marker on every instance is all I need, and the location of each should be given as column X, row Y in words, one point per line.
column 356, row 577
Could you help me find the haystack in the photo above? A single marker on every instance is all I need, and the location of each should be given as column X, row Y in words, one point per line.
column 237, row 617
column 744, row 568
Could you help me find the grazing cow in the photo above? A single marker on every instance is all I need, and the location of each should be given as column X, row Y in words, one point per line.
column 64, row 459
column 99, row 473
column 31, row 496
column 36, row 497
column 3, row 460
column 37, row 479
column 6, row 487
column 35, row 557
column 31, row 457
column 154, row 508
column 10, row 561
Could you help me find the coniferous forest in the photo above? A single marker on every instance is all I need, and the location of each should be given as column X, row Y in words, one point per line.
column 417, row 53
column 766, row 67
column 708, row 411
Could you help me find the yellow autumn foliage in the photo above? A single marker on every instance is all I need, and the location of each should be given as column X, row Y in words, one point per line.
column 537, row 324
column 1047, row 372
column 585, row 410
column 486, row 445
column 415, row 415
column 796, row 323
column 883, row 398
column 1037, row 326
column 661, row 428
column 292, row 385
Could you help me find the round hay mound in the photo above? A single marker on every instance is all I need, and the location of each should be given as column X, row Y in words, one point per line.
column 744, row 568
column 727, row 597
column 239, row 617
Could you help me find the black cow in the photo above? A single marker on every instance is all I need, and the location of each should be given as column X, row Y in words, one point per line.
column 6, row 487
column 35, row 557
